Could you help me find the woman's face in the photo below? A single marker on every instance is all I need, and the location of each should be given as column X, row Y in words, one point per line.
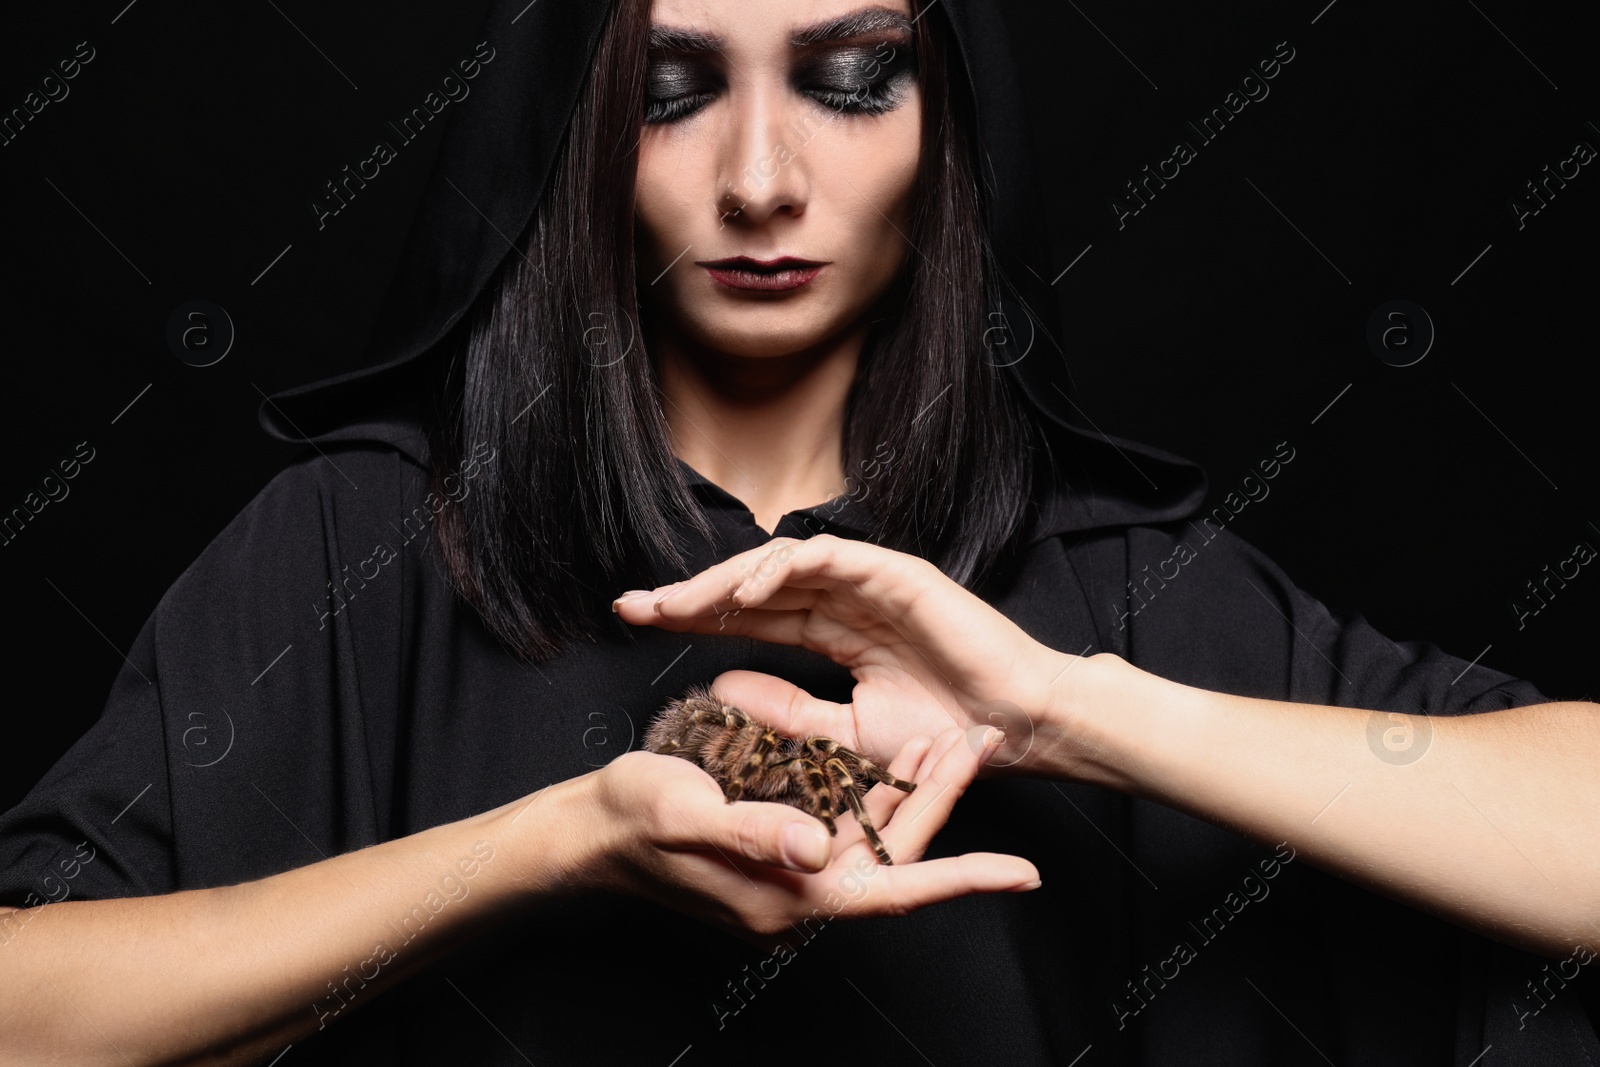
column 775, row 129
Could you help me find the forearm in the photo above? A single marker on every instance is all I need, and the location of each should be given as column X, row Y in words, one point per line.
column 1496, row 825
column 234, row 974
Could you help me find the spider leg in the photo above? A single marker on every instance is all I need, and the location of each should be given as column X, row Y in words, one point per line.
column 827, row 748
column 873, row 772
column 852, row 793
column 814, row 787
column 760, row 752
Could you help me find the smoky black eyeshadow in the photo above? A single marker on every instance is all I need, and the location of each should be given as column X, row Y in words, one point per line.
column 667, row 78
column 852, row 65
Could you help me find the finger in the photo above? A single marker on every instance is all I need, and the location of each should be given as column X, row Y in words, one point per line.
column 748, row 579
column 796, row 628
column 938, row 745
column 762, row 831
column 786, row 707
column 777, row 627
column 882, row 800
column 943, row 742
column 789, row 598
column 710, row 584
column 925, row 811
column 908, row 761
column 834, row 559
column 904, row 888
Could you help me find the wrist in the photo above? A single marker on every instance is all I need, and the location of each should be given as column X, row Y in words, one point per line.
column 551, row 834
column 1097, row 720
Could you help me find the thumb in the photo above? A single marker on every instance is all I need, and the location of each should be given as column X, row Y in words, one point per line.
column 784, row 706
column 774, row 834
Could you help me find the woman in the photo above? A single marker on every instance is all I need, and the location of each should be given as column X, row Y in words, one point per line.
column 421, row 764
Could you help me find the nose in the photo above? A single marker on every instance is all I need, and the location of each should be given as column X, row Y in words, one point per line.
column 763, row 172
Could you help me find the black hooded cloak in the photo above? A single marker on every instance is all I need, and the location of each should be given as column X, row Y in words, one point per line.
column 311, row 685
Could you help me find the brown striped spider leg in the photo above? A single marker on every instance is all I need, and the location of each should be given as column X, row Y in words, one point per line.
column 751, row 761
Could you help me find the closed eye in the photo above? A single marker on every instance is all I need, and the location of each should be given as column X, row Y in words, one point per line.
column 851, row 80
column 677, row 86
column 868, row 80
column 658, row 110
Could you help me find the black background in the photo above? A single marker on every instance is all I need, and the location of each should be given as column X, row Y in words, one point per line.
column 1223, row 318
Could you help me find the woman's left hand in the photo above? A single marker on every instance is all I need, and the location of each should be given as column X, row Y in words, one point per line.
column 926, row 653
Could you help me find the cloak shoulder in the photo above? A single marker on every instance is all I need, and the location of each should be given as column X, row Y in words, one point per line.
column 1204, row 607
column 257, row 702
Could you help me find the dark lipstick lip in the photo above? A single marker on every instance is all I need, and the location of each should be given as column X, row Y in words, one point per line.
column 748, row 275
column 770, row 265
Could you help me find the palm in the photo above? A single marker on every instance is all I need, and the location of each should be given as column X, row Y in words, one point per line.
column 926, row 654
column 890, row 705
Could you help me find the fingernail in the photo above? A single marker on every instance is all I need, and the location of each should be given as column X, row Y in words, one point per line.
column 805, row 847
column 992, row 742
column 629, row 595
column 671, row 589
column 1035, row 884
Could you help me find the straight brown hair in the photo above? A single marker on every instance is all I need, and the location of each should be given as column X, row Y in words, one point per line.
column 585, row 493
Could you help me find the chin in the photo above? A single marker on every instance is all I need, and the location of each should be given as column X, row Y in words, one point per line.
column 755, row 341
column 756, row 331
column 766, row 333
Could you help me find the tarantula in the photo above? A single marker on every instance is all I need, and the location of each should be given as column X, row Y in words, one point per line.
column 752, row 762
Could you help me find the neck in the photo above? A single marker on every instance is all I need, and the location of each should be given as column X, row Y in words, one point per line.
column 768, row 430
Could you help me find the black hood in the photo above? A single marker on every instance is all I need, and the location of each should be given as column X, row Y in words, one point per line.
column 496, row 159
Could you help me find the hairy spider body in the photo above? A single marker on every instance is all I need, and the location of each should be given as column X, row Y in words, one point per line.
column 754, row 762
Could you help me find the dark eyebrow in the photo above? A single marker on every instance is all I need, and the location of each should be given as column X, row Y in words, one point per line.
column 856, row 24
column 671, row 39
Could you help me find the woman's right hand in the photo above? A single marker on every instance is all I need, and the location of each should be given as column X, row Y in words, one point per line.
column 658, row 827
